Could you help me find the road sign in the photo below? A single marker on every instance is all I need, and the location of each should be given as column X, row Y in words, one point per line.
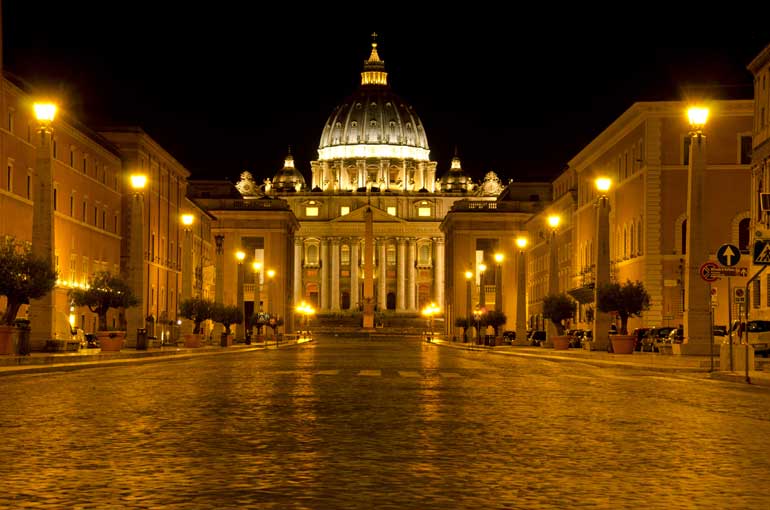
column 740, row 295
column 708, row 271
column 762, row 252
column 728, row 255
column 730, row 271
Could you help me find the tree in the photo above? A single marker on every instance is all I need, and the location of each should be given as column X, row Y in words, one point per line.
column 493, row 318
column 197, row 310
column 259, row 320
column 274, row 322
column 23, row 276
column 463, row 322
column 227, row 316
column 558, row 308
column 628, row 300
column 104, row 291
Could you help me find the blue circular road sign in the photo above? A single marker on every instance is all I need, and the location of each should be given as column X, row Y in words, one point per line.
column 728, row 255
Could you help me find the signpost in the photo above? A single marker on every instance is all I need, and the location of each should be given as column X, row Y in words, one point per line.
column 708, row 271
column 739, row 295
column 728, row 255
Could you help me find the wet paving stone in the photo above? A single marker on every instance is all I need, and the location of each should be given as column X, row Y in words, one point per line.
column 397, row 424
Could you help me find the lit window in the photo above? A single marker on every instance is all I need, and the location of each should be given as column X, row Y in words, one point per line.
column 423, row 211
column 344, row 210
column 392, row 211
column 311, row 211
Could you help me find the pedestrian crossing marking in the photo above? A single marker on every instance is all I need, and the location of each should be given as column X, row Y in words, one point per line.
column 370, row 373
column 408, row 373
column 328, row 372
column 449, row 374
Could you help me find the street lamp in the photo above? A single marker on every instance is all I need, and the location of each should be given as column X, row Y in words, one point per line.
column 137, row 262
column 468, row 299
column 187, row 256
column 697, row 297
column 521, row 292
column 601, row 329
column 554, row 220
column 41, row 311
column 306, row 310
column 499, row 282
column 429, row 311
column 482, row 297
column 270, row 298
column 240, row 256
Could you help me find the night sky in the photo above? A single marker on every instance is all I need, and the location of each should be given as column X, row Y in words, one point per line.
column 226, row 88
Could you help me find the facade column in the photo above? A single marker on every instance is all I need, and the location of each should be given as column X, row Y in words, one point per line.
column 401, row 276
column 411, row 281
column 438, row 272
column 382, row 284
column 299, row 294
column 41, row 311
column 219, row 283
column 335, row 276
column 355, row 298
column 521, row 297
column 324, row 274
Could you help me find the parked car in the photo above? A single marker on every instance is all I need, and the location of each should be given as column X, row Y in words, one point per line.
column 720, row 330
column 758, row 333
column 676, row 336
column 509, row 336
column 656, row 336
column 639, row 334
column 537, row 338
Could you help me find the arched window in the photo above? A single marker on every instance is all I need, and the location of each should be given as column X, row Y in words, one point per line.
column 743, row 234
column 632, row 239
column 423, row 256
column 345, row 254
column 640, row 237
column 312, row 255
column 625, row 243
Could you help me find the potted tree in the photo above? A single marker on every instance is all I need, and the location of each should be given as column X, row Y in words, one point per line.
column 274, row 322
column 495, row 319
column 197, row 310
column 558, row 308
column 227, row 316
column 259, row 320
column 105, row 291
column 23, row 276
column 464, row 323
column 627, row 300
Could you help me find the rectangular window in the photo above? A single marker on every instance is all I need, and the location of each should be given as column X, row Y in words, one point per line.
column 115, row 229
column 10, row 121
column 73, row 268
column 85, row 165
column 756, row 297
column 152, row 247
column 392, row 211
column 344, row 210
column 745, row 150
column 423, row 211
column 104, row 219
column 84, row 274
column 29, row 187
column 55, row 197
column 311, row 211
column 9, row 177
column 72, row 206
column 96, row 216
column 72, row 158
column 84, row 210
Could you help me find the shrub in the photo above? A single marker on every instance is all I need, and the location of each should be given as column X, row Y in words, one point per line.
column 23, row 276
column 628, row 300
column 197, row 310
column 558, row 308
column 104, row 291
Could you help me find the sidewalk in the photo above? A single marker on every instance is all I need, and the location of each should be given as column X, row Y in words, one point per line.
column 39, row 362
column 651, row 361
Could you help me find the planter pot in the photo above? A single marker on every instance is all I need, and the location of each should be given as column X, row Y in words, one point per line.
column 226, row 340
column 623, row 344
column 110, row 341
column 8, row 336
column 192, row 340
column 560, row 343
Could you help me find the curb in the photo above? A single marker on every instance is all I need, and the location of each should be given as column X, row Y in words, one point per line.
column 575, row 359
column 66, row 365
column 737, row 377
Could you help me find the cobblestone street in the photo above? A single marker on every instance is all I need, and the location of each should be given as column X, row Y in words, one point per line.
column 343, row 423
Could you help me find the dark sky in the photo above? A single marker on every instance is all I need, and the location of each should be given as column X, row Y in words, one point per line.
column 226, row 88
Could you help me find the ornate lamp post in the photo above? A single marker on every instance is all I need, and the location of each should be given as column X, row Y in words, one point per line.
column 553, row 271
column 240, row 256
column 187, row 256
column 429, row 311
column 306, row 311
column 468, row 299
column 602, row 276
column 136, row 265
column 499, row 282
column 41, row 311
column 521, row 293
column 697, row 298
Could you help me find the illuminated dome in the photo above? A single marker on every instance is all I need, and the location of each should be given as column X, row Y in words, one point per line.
column 373, row 122
column 455, row 180
column 288, row 178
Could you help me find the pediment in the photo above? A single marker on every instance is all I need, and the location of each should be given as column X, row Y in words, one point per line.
column 357, row 216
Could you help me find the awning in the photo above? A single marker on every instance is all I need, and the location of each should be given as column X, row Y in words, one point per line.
column 584, row 294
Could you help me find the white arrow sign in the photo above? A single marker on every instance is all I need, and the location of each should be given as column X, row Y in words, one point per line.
column 728, row 254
